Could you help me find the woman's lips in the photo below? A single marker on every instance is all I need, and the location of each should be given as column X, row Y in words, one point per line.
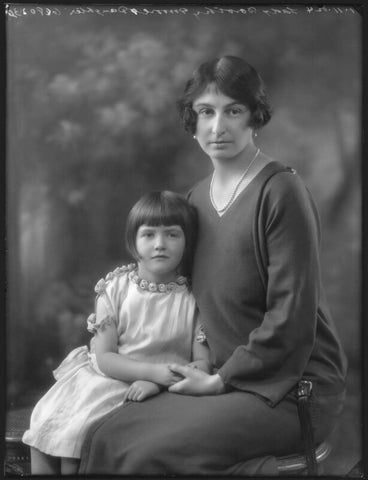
column 219, row 144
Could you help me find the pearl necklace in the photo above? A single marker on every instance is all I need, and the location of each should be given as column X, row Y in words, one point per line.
column 235, row 191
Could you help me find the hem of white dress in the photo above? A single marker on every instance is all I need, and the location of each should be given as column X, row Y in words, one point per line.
column 60, row 451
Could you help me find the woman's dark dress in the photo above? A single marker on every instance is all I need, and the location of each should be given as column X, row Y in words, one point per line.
column 256, row 280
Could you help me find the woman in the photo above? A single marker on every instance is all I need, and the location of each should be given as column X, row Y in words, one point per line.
column 256, row 279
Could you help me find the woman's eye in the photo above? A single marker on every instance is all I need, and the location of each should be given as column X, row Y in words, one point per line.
column 235, row 111
column 205, row 112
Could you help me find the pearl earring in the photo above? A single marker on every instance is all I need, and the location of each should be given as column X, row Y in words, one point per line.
column 255, row 134
column 194, row 137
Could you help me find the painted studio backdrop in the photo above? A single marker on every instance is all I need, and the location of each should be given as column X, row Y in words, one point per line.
column 92, row 124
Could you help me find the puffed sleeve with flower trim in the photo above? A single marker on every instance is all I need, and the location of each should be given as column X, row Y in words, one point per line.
column 111, row 292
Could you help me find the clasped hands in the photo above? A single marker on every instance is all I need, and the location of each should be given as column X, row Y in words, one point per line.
column 195, row 380
column 191, row 379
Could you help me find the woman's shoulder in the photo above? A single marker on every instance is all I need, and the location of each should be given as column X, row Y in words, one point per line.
column 199, row 188
column 274, row 166
column 285, row 190
column 279, row 178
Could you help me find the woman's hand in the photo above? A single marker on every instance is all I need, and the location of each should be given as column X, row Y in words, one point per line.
column 196, row 382
column 140, row 390
column 163, row 375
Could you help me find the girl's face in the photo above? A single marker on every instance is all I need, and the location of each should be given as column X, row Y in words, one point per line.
column 222, row 124
column 160, row 251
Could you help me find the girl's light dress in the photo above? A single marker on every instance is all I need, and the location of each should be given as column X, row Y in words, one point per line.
column 155, row 323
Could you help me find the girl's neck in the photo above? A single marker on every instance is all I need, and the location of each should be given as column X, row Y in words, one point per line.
column 153, row 277
column 229, row 168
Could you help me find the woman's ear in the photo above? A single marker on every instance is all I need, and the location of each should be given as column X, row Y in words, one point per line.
column 257, row 120
column 190, row 120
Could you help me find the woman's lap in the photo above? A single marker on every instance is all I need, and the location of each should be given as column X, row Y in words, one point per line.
column 175, row 434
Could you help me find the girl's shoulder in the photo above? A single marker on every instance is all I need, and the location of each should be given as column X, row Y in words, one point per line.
column 116, row 278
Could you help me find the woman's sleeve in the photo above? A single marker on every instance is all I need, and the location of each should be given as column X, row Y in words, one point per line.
column 277, row 352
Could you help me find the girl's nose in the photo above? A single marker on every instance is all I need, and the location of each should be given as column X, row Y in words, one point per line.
column 160, row 242
column 218, row 125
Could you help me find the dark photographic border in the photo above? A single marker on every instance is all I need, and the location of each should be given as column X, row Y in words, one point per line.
column 362, row 9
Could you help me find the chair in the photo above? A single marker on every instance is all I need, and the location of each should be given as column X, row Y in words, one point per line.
column 296, row 464
column 17, row 460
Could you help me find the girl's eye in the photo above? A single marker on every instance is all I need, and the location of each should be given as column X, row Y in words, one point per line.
column 171, row 234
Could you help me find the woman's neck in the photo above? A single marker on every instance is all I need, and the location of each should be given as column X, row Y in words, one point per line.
column 229, row 168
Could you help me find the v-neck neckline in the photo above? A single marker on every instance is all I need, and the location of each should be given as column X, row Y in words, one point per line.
column 242, row 193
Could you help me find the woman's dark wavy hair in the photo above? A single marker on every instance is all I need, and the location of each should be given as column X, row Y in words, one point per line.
column 164, row 208
column 235, row 78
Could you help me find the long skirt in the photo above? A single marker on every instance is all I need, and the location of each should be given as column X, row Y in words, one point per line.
column 236, row 433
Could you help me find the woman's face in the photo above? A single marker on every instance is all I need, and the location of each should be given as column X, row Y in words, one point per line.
column 222, row 124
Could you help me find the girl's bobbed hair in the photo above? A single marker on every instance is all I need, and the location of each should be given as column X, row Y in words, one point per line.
column 164, row 208
column 233, row 77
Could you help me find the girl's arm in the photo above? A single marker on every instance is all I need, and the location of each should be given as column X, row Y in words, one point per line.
column 196, row 378
column 121, row 367
column 200, row 357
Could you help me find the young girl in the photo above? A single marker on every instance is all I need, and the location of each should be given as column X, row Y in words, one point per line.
column 145, row 319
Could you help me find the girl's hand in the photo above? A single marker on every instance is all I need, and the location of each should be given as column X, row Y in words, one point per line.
column 203, row 365
column 196, row 382
column 163, row 375
column 140, row 390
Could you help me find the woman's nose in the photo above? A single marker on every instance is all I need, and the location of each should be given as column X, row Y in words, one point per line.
column 218, row 125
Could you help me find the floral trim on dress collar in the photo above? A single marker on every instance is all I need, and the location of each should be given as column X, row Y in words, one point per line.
column 142, row 283
column 157, row 287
